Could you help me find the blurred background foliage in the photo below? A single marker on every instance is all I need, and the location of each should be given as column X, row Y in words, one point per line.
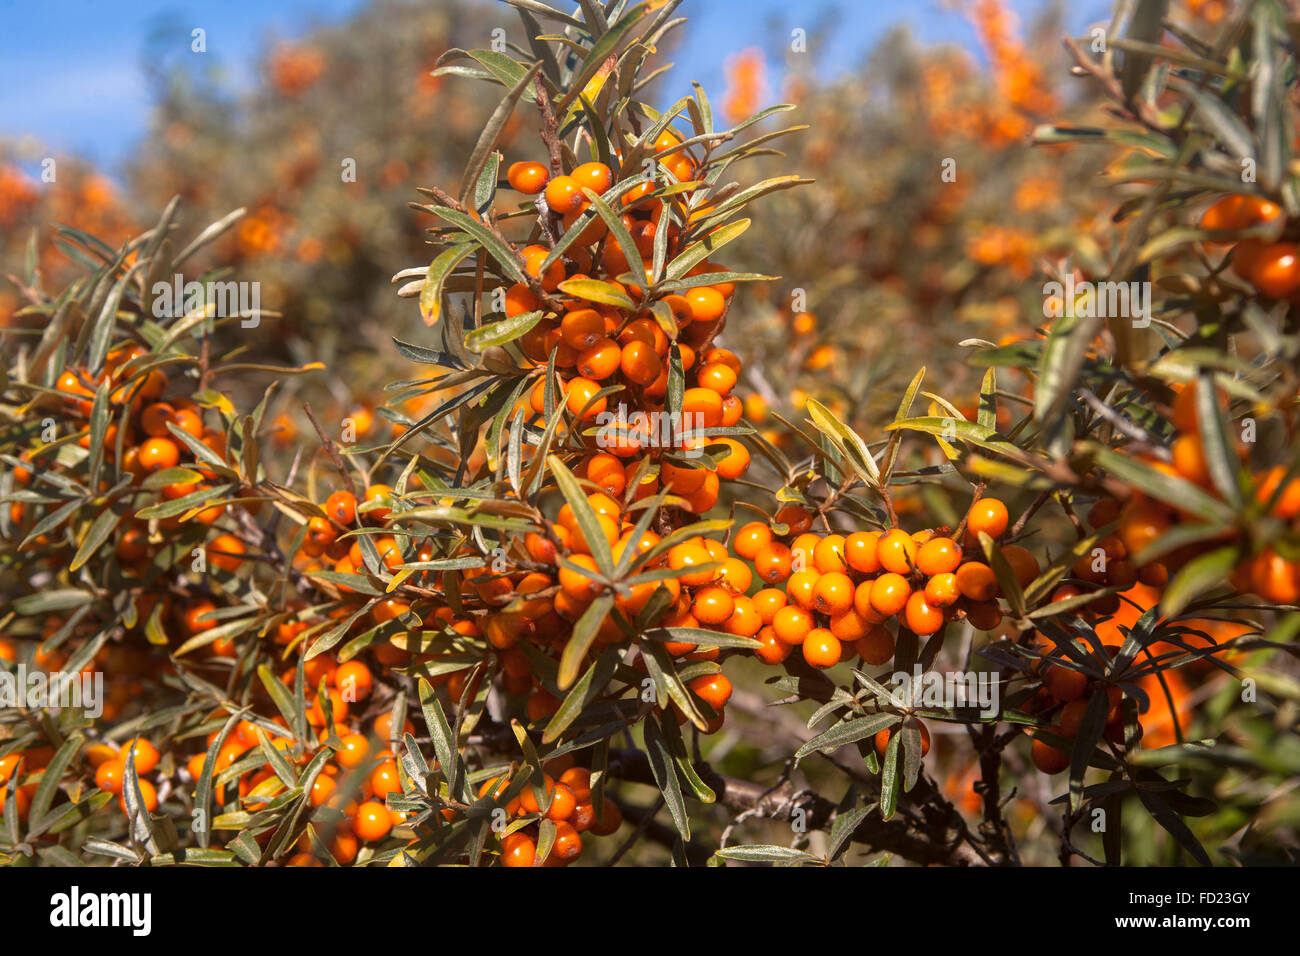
column 880, row 240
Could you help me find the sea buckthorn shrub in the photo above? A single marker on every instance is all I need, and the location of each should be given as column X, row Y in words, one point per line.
column 595, row 598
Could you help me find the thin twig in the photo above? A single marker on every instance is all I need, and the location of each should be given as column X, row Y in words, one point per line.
column 333, row 452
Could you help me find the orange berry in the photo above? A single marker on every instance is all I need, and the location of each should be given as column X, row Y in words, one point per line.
column 188, row 421
column 581, row 393
column 735, row 574
column 147, row 792
column 745, row 620
column 353, row 749
column 772, row 649
column 372, row 821
column 526, row 177
column 833, row 593
column 717, row 377
column 751, row 539
column 564, row 195
column 706, row 303
column 563, row 803
column 1275, row 270
column 353, row 677
column 690, row 554
column 1189, row 459
column 577, row 585
column 322, row 787
column 157, row 454
column 829, row 554
column 792, row 624
column 1025, row 566
column 600, row 361
column 772, row 562
column 381, row 495
column 1287, row 505
column 712, row 605
column 154, row 419
column 341, row 507
column 385, row 779
column 821, row 648
column 1047, row 758
column 801, row 588
column 703, row 406
column 226, row 552
column 938, row 556
column 977, row 581
column 850, row 626
column 735, row 464
column 984, row 615
column 594, row 176
column 320, row 534
column 890, row 593
column 860, row 551
column 611, row 821
column 1071, row 717
column 876, row 647
column 146, row 754
column 109, row 776
column 639, row 363
column 896, row 551
column 568, row 844
column 732, row 407
column 941, row 590
column 795, row 517
column 713, row 689
column 921, row 617
column 723, row 356
column 193, row 614
column 1236, row 212
column 988, row 515
column 1275, row 578
column 768, row 601
column 882, row 739
column 518, row 849
column 520, row 299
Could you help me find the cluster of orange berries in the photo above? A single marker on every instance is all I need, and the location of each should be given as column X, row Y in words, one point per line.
column 352, row 785
column 147, row 445
column 1065, row 694
column 540, row 606
column 1109, row 565
column 1273, row 268
column 597, row 346
column 15, row 768
column 567, row 802
column 142, row 428
column 126, row 667
column 1143, row 519
column 833, row 595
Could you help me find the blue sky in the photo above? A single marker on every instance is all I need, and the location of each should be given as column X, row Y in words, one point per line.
column 73, row 72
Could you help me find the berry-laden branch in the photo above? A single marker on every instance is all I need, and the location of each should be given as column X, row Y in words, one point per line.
column 936, row 839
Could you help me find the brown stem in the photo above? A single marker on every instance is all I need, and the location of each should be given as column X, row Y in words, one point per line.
column 333, row 452
column 934, row 839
